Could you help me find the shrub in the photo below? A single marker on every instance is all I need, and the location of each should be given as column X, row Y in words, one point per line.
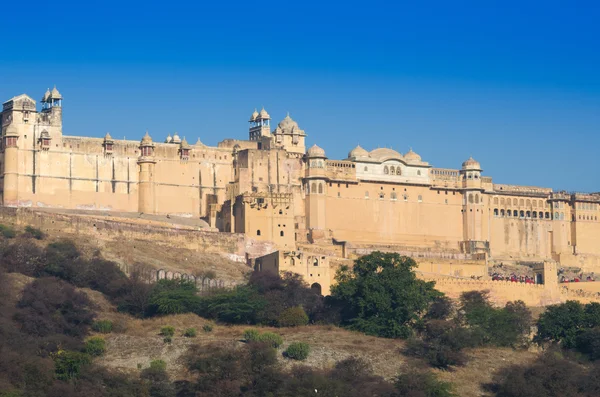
column 167, row 331
column 7, row 231
column 270, row 339
column 68, row 364
column 562, row 323
column 190, row 333
column 298, row 351
column 207, row 327
column 159, row 365
column 173, row 297
column 167, row 339
column 156, row 373
column 95, row 346
column 251, row 335
column 103, row 326
column 422, row 384
column 588, row 343
column 238, row 306
column 35, row 233
column 292, row 317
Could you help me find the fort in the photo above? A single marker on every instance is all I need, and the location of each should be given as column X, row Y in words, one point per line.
column 273, row 203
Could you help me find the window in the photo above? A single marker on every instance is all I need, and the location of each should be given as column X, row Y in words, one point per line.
column 495, row 211
column 398, row 171
column 502, row 201
column 392, row 170
column 367, row 194
column 418, row 172
column 502, row 213
column 393, row 196
column 281, row 233
column 522, row 214
column 496, row 200
column 258, row 232
column 386, row 170
column 556, row 215
column 420, row 198
column 521, row 202
column 405, row 197
column 515, row 202
column 366, row 169
column 313, row 188
column 471, row 199
column 381, row 195
column 476, row 199
column 515, row 213
column 320, row 188
column 528, row 214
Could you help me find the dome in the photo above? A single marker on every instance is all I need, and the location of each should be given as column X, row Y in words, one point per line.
column 254, row 115
column 46, row 96
column 176, row 138
column 471, row 164
column 315, row 151
column 412, row 156
column 146, row 140
column 199, row 142
column 185, row 144
column 11, row 130
column 55, row 94
column 385, row 154
column 263, row 114
column 169, row 139
column 358, row 151
column 288, row 123
column 107, row 137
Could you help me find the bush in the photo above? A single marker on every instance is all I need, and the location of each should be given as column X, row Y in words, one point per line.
column 251, row 335
column 168, row 339
column 298, row 351
column 207, row 327
column 103, row 326
column 7, row 231
column 159, row 365
column 562, row 323
column 167, row 331
column 68, row 364
column 190, row 333
column 173, row 297
column 588, row 343
column 271, row 339
column 292, row 317
column 238, row 306
column 35, row 233
column 422, row 384
column 95, row 346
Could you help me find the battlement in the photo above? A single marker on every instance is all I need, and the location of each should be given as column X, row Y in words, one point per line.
column 522, row 190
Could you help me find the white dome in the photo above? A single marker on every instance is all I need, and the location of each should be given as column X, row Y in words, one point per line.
column 315, row 151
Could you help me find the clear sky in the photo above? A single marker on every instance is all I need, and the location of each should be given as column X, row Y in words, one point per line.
column 515, row 84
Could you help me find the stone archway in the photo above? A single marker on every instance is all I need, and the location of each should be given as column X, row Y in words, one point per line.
column 316, row 287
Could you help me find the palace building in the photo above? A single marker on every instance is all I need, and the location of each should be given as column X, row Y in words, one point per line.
column 271, row 188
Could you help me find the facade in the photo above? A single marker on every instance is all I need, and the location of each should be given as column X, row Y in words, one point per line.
column 271, row 188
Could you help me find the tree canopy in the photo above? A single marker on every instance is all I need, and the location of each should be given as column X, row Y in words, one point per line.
column 381, row 295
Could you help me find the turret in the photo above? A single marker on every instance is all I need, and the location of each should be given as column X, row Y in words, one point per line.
column 472, row 202
column 315, row 188
column 259, row 125
column 10, row 138
column 147, row 162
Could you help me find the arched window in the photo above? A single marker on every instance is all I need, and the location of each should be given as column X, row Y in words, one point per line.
column 470, row 198
column 547, row 215
column 556, row 215
column 496, row 200
column 258, row 232
column 392, row 170
column 398, row 171
column 405, row 197
column 502, row 201
column 528, row 203
column 541, row 204
column 522, row 214
column 495, row 211
column 381, row 195
column 366, row 169
column 320, row 188
column 315, row 262
column 393, row 196
column 281, row 233
column 418, row 172
column 476, row 199
column 367, row 194
column 420, row 198
column 515, row 202
column 386, row 170
column 528, row 214
column 313, row 188
column 521, row 202
column 316, row 287
column 515, row 213
column 562, row 216
column 534, row 203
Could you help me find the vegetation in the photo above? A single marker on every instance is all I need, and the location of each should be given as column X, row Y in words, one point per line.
column 270, row 339
column 381, row 295
column 298, row 351
column 34, row 233
column 7, row 231
column 251, row 335
column 103, row 326
column 95, row 346
column 563, row 323
column 167, row 331
column 292, row 317
column 190, row 333
column 207, row 328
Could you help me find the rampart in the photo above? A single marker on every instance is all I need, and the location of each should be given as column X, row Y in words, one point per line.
column 234, row 246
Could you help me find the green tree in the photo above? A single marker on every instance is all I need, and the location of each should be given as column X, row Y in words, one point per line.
column 382, row 296
column 562, row 323
column 173, row 297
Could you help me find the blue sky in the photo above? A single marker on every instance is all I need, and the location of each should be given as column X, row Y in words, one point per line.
column 514, row 84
